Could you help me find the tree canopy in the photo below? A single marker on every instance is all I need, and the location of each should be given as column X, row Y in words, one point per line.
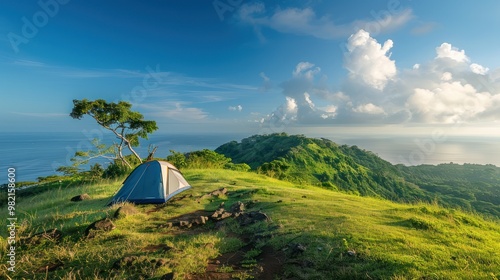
column 127, row 125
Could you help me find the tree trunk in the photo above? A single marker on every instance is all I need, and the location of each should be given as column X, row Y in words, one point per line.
column 151, row 154
column 123, row 139
column 132, row 150
column 120, row 147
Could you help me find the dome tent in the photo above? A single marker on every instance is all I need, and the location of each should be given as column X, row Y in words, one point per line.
column 151, row 182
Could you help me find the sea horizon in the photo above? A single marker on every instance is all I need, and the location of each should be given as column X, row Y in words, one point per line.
column 35, row 154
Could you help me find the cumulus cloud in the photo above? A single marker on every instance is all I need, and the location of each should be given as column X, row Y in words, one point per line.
column 447, row 51
column 479, row 69
column 299, row 92
column 451, row 102
column 446, row 89
column 283, row 115
column 235, row 108
column 306, row 22
column 369, row 61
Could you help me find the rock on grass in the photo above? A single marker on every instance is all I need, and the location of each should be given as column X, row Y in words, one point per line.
column 80, row 197
column 97, row 227
column 125, row 210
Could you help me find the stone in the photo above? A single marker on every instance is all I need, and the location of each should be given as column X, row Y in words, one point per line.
column 125, row 210
column 80, row 197
column 220, row 214
column 169, row 224
column 103, row 225
column 225, row 215
column 252, row 217
column 237, row 208
column 184, row 224
column 219, row 192
column 201, row 220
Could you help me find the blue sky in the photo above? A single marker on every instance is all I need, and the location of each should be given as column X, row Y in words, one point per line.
column 253, row 66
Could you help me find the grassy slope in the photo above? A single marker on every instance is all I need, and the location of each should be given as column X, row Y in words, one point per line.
column 322, row 162
column 392, row 241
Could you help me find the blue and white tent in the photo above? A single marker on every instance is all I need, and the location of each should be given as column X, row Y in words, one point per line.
column 151, row 182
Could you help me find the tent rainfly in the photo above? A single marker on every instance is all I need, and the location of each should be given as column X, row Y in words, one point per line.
column 151, row 182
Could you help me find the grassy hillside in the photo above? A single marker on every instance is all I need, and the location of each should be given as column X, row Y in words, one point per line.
column 473, row 187
column 313, row 234
column 321, row 162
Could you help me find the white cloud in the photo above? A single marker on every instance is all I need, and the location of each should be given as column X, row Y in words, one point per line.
column 446, row 89
column 479, row 69
column 290, row 106
column 235, row 108
column 369, row 109
column 369, row 61
column 446, row 50
column 305, row 69
column 451, row 102
column 329, row 112
column 306, row 22
column 283, row 115
column 308, row 100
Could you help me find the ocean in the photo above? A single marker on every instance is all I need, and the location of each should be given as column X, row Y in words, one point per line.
column 35, row 155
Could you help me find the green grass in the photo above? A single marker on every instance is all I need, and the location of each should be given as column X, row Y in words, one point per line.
column 391, row 241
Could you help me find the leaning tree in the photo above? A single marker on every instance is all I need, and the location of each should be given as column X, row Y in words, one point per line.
column 127, row 125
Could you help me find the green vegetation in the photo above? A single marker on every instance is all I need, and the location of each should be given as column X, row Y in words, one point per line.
column 330, row 218
column 350, row 169
column 128, row 126
column 343, row 236
column 321, row 162
column 472, row 187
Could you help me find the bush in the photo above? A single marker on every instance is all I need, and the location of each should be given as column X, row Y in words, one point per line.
column 118, row 168
column 178, row 159
column 115, row 170
column 199, row 159
column 237, row 166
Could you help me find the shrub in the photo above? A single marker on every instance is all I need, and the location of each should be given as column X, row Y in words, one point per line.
column 237, row 166
column 199, row 159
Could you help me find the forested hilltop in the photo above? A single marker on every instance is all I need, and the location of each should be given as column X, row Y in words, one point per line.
column 321, row 162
